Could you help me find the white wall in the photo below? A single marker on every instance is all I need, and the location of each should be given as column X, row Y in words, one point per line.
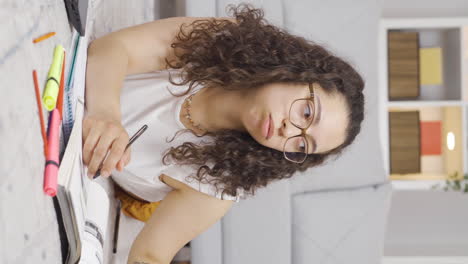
column 425, row 8
column 425, row 260
column 427, row 223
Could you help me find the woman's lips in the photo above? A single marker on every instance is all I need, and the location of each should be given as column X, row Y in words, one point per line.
column 271, row 127
column 266, row 127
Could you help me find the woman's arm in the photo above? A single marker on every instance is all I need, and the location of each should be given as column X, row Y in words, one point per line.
column 182, row 215
column 138, row 49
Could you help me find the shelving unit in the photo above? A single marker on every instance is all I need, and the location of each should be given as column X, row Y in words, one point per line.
column 450, row 99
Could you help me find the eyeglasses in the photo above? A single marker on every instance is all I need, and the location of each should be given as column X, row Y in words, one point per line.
column 301, row 115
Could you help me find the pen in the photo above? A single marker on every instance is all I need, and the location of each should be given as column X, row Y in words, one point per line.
column 39, row 109
column 61, row 86
column 52, row 158
column 116, row 227
column 132, row 139
column 43, row 37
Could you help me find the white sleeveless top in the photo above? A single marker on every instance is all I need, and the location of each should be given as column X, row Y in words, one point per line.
column 145, row 99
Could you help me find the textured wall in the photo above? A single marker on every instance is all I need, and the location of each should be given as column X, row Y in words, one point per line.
column 28, row 224
column 425, row 8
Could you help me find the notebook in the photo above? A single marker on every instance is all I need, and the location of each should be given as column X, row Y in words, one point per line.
column 77, row 11
column 71, row 191
column 74, row 82
column 85, row 222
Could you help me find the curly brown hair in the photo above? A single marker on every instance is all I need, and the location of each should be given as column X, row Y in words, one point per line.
column 247, row 55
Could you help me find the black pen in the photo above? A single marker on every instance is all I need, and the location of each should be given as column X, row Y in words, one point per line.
column 132, row 139
column 116, row 227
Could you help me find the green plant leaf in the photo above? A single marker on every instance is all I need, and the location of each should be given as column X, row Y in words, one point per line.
column 451, row 184
column 453, row 175
column 457, row 185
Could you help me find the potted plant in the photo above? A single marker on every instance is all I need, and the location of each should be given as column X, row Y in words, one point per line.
column 454, row 183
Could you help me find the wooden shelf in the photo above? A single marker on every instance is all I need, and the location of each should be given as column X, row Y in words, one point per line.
column 418, row 176
column 464, row 62
column 414, row 103
column 451, row 34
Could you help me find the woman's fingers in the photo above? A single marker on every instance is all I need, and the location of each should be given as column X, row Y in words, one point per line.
column 124, row 160
column 127, row 156
column 104, row 143
column 90, row 143
column 100, row 151
column 116, row 152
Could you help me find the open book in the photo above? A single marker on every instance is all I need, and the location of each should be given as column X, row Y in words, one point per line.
column 97, row 212
column 71, row 189
column 84, row 204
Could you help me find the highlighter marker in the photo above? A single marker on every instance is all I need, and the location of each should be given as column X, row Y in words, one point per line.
column 52, row 159
column 43, row 37
column 59, row 105
column 39, row 109
column 53, row 79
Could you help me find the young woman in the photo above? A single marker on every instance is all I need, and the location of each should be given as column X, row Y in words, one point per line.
column 259, row 104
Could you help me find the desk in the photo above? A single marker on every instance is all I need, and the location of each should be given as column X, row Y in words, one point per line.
column 28, row 222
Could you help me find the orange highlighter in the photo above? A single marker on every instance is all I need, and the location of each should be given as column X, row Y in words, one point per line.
column 52, row 158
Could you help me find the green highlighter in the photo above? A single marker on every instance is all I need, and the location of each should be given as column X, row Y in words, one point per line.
column 53, row 79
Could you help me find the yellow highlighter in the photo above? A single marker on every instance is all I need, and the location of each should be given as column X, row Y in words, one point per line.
column 53, row 79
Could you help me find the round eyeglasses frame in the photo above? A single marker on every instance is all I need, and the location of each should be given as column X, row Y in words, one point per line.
column 303, row 129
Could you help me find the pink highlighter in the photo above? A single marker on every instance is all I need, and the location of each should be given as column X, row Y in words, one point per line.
column 52, row 159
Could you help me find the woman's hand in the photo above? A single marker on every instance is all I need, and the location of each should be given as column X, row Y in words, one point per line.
column 103, row 133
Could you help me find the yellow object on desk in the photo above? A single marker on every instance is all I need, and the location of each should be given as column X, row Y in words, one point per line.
column 53, row 80
column 430, row 63
column 135, row 208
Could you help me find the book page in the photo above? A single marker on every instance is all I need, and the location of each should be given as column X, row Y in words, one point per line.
column 72, row 187
column 76, row 185
column 97, row 212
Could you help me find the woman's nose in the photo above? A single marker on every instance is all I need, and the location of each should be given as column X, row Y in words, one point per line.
column 289, row 130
